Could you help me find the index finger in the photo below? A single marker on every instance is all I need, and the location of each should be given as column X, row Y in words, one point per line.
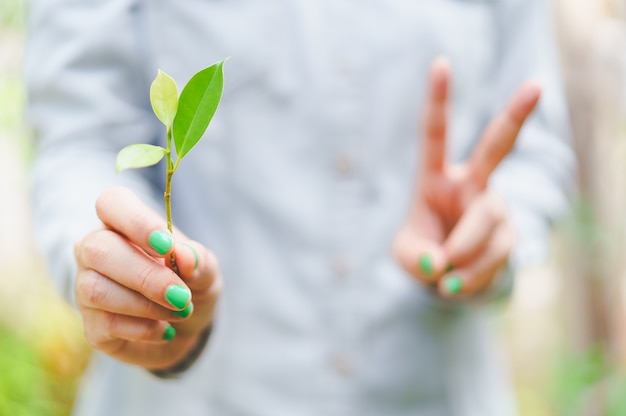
column 436, row 116
column 121, row 210
column 499, row 137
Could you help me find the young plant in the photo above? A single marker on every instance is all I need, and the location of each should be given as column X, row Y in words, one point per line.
column 186, row 118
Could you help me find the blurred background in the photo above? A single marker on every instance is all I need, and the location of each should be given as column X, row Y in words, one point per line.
column 564, row 331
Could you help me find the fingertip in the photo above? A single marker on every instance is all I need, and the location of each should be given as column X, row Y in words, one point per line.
column 533, row 83
column 526, row 100
column 451, row 285
column 533, row 89
column 440, row 72
column 187, row 259
column 440, row 64
column 431, row 264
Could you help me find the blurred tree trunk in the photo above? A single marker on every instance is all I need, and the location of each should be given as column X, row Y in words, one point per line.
column 592, row 35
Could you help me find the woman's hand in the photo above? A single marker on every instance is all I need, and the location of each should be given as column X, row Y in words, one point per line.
column 457, row 235
column 133, row 307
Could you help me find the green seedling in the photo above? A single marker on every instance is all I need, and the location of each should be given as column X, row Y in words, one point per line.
column 186, row 118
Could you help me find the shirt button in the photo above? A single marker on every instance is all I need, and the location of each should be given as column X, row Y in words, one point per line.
column 341, row 365
column 339, row 266
column 344, row 164
column 345, row 65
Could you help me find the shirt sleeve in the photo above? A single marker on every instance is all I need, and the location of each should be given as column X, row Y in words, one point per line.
column 84, row 69
column 537, row 178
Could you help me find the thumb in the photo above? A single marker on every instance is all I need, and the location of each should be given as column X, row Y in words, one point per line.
column 198, row 267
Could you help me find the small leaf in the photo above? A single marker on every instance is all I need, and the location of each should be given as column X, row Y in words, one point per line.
column 139, row 156
column 198, row 103
column 164, row 98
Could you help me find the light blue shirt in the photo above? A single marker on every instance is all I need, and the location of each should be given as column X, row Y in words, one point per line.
column 301, row 182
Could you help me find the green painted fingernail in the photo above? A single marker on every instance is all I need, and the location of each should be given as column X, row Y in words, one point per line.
column 161, row 241
column 449, row 268
column 185, row 312
column 195, row 255
column 426, row 264
column 169, row 334
column 452, row 285
column 178, row 296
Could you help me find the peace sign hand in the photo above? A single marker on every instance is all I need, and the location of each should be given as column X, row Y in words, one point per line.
column 457, row 235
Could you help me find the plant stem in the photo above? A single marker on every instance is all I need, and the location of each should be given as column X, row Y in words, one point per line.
column 168, row 193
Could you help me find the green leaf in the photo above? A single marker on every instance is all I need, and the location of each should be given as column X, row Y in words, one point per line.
column 198, row 103
column 139, row 156
column 164, row 98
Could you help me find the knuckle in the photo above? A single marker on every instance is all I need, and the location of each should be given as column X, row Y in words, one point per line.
column 77, row 250
column 89, row 289
column 117, row 349
column 146, row 276
column 110, row 324
column 93, row 335
column 90, row 338
column 148, row 331
column 108, row 197
column 137, row 221
column 94, row 248
column 152, row 309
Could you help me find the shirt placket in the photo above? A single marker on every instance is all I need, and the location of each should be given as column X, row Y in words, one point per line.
column 344, row 113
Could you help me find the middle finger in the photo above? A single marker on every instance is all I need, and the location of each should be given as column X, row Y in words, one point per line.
column 96, row 291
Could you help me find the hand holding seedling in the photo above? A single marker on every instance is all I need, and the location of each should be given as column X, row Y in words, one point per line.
column 144, row 290
column 457, row 235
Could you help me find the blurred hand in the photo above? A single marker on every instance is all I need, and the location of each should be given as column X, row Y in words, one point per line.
column 128, row 296
column 457, row 235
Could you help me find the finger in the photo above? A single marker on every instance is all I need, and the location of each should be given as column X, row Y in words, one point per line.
column 101, row 328
column 472, row 232
column 94, row 291
column 476, row 276
column 197, row 266
column 111, row 255
column 436, row 116
column 155, row 355
column 421, row 258
column 199, row 269
column 121, row 210
column 500, row 135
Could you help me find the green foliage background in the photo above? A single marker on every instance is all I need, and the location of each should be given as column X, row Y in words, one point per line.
column 42, row 352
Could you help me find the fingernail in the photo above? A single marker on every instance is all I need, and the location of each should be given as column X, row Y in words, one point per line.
column 195, row 255
column 160, row 241
column 426, row 264
column 178, row 296
column 169, row 334
column 452, row 285
column 185, row 312
column 449, row 268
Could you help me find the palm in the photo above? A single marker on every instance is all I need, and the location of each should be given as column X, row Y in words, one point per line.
column 445, row 196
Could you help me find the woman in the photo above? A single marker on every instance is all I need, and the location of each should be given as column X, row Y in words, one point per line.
column 359, row 244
